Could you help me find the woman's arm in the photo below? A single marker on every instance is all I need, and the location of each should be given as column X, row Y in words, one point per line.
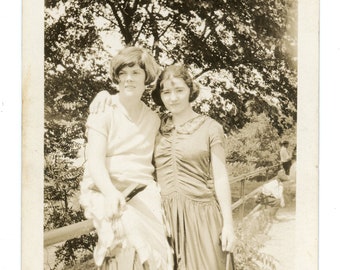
column 114, row 200
column 223, row 194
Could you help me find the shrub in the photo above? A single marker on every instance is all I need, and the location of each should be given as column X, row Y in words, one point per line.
column 254, row 146
column 251, row 234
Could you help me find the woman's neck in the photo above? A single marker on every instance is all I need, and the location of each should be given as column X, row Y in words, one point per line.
column 132, row 108
column 183, row 117
column 130, row 104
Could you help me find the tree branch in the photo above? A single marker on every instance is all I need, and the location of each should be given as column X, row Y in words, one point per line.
column 202, row 72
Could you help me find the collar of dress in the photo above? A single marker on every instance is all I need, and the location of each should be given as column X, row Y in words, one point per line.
column 189, row 127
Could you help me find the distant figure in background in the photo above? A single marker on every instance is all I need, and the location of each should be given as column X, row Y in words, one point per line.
column 272, row 194
column 292, row 170
column 285, row 157
column 290, row 186
column 294, row 154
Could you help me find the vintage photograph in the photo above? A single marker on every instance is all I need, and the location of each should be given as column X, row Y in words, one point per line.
column 169, row 135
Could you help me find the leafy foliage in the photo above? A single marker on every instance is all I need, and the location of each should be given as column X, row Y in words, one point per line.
column 61, row 208
column 244, row 51
column 58, row 194
column 254, row 146
column 251, row 234
column 76, row 251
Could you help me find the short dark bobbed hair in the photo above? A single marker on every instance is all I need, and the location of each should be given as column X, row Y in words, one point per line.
column 130, row 56
column 175, row 71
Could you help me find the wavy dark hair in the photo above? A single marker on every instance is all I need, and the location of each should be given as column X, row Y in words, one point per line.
column 175, row 71
column 130, row 56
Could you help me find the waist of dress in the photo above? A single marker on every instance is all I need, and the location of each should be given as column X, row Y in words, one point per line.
column 203, row 198
column 119, row 183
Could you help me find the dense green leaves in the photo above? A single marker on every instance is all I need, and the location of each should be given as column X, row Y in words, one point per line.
column 256, row 145
column 249, row 45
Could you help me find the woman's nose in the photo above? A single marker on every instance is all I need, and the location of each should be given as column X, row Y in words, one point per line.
column 173, row 96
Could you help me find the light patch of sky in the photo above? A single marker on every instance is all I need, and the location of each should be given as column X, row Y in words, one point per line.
column 205, row 93
column 111, row 39
column 258, row 77
column 55, row 13
column 164, row 60
column 228, row 36
column 224, row 77
column 79, row 161
column 60, row 68
column 273, row 100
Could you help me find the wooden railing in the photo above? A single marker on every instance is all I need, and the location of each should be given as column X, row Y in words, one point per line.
column 246, row 177
column 72, row 231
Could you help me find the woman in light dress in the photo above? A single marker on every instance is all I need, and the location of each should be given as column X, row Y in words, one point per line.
column 120, row 143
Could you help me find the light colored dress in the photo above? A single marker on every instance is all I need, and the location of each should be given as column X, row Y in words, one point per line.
column 183, row 167
column 141, row 228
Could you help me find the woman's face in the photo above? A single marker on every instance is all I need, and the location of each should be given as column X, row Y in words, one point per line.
column 175, row 95
column 131, row 82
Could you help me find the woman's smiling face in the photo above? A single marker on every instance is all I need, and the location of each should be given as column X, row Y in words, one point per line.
column 131, row 81
column 175, row 95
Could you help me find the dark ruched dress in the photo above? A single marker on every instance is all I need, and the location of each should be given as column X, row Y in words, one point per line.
column 182, row 159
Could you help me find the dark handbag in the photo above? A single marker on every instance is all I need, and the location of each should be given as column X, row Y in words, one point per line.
column 230, row 263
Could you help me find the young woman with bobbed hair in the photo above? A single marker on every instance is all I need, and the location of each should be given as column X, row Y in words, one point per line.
column 190, row 169
column 119, row 151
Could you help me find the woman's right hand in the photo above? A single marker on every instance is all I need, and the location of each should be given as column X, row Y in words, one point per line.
column 114, row 204
column 228, row 238
column 100, row 101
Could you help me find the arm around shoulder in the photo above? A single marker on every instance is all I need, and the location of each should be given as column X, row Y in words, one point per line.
column 100, row 101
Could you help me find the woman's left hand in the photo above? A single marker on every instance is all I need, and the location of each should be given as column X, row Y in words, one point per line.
column 228, row 239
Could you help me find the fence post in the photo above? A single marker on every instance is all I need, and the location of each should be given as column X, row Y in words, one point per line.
column 242, row 196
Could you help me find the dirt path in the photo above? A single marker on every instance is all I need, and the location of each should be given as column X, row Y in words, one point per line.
column 281, row 243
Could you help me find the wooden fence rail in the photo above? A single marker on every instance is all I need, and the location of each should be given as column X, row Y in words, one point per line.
column 75, row 230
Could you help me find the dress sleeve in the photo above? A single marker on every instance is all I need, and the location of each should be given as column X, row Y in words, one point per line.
column 99, row 122
column 216, row 134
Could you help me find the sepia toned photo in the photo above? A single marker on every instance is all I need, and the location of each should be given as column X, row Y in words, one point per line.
column 170, row 135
